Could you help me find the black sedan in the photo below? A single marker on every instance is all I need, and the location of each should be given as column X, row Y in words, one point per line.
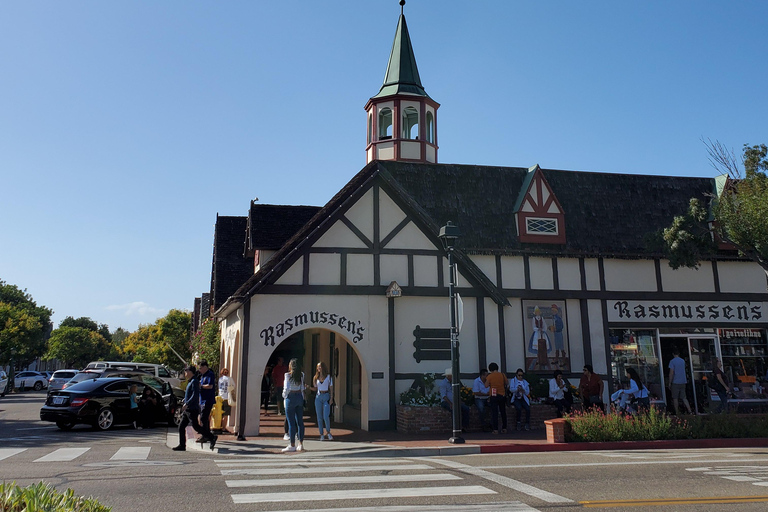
column 102, row 403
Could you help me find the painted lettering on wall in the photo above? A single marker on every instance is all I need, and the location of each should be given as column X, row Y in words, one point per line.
column 279, row 331
column 683, row 311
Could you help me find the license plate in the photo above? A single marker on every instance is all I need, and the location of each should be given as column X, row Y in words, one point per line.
column 58, row 400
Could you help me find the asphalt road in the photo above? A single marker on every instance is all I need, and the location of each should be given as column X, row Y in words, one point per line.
column 132, row 470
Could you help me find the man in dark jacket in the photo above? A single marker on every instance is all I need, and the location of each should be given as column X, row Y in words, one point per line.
column 207, row 400
column 190, row 409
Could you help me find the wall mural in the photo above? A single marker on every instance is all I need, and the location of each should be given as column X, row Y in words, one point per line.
column 546, row 336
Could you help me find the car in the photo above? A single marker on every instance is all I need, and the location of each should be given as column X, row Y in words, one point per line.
column 30, row 379
column 101, row 403
column 171, row 396
column 3, row 383
column 59, row 378
column 158, row 370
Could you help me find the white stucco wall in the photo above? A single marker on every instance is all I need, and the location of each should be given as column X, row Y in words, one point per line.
column 411, row 237
column 738, row 276
column 575, row 337
column 339, row 235
column 390, row 215
column 325, row 269
column 361, row 214
column 360, row 269
column 425, row 270
column 592, row 274
column 568, row 274
column 597, row 335
column 512, row 272
column 492, row 345
column 487, row 264
column 294, row 275
column 687, row 279
column 515, row 340
column 410, row 150
column 542, row 277
column 394, row 267
column 630, row 275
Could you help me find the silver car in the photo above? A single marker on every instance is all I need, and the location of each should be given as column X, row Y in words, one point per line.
column 59, row 378
column 3, row 383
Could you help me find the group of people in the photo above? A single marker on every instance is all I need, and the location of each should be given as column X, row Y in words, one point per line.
column 142, row 407
column 290, row 389
column 199, row 399
column 492, row 391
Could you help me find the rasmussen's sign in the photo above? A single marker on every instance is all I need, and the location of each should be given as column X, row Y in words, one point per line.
column 309, row 319
column 648, row 311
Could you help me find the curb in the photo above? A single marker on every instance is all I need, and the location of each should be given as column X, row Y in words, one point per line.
column 759, row 442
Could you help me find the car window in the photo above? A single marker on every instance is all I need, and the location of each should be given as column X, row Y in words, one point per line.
column 117, row 387
column 63, row 375
column 162, row 372
column 150, row 381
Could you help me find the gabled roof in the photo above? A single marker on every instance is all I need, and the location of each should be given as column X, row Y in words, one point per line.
column 402, row 76
column 271, row 225
column 230, row 268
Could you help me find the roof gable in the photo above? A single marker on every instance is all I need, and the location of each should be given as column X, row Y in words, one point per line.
column 539, row 216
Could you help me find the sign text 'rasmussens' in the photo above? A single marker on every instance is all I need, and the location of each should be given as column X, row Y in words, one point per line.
column 305, row 320
column 642, row 311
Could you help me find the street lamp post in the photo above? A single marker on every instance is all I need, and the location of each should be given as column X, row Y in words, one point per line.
column 448, row 234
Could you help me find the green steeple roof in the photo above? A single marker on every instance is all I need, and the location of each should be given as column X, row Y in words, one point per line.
column 402, row 75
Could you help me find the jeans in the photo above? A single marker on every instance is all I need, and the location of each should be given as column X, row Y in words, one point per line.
column 294, row 413
column 482, row 408
column 521, row 404
column 562, row 405
column 323, row 411
column 464, row 412
column 498, row 404
column 205, row 420
column 723, row 407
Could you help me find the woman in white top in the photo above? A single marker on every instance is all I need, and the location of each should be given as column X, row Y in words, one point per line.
column 636, row 389
column 323, row 384
column 521, row 397
column 293, row 393
column 557, row 388
column 224, row 394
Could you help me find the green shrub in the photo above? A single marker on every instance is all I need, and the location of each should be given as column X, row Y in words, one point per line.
column 596, row 426
column 42, row 497
column 729, row 426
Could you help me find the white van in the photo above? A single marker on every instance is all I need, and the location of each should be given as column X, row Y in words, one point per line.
column 158, row 370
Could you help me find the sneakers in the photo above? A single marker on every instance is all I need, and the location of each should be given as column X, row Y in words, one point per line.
column 527, row 427
column 322, row 437
column 329, row 437
column 179, row 448
column 299, row 447
column 213, row 441
column 289, row 449
column 286, row 437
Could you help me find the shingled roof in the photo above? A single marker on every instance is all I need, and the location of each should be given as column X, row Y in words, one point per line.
column 271, row 225
column 230, row 267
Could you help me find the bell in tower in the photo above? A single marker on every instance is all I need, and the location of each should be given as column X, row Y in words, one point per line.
column 402, row 118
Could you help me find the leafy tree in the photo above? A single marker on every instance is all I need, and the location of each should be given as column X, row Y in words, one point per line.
column 24, row 326
column 206, row 343
column 738, row 215
column 76, row 346
column 89, row 324
column 155, row 343
column 102, row 349
column 118, row 337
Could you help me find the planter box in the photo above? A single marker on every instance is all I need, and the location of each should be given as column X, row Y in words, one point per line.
column 411, row 419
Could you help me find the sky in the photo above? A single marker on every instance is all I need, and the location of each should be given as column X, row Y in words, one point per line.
column 127, row 126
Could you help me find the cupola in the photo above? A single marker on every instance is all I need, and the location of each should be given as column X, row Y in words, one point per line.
column 402, row 118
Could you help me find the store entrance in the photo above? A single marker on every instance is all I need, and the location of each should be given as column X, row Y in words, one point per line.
column 699, row 354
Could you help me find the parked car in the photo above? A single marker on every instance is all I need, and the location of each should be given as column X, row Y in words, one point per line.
column 34, row 380
column 102, row 403
column 80, row 377
column 3, row 383
column 59, row 378
column 158, row 370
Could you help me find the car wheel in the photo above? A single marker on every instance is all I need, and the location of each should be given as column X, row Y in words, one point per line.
column 105, row 419
column 177, row 415
column 38, row 386
column 65, row 425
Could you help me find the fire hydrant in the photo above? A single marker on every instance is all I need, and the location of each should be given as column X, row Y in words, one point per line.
column 216, row 413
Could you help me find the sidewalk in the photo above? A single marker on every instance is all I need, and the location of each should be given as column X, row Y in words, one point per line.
column 349, row 442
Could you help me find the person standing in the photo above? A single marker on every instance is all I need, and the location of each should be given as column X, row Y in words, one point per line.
column 278, row 378
column 497, row 385
column 446, row 398
column 720, row 385
column 293, row 393
column 557, row 388
column 591, row 389
column 207, row 399
column 521, row 397
column 190, row 408
column 134, row 398
column 678, row 381
column 482, row 392
column 226, row 410
column 322, row 383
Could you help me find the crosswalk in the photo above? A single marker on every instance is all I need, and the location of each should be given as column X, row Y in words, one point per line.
column 756, row 475
column 265, row 480
column 123, row 453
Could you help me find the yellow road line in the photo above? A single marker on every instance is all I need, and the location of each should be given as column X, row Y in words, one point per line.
column 674, row 501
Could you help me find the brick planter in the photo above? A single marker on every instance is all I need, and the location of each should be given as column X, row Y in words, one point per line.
column 412, row 419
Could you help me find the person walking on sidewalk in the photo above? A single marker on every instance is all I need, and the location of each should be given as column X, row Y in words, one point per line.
column 720, row 385
column 278, row 378
column 497, row 384
column 293, row 392
column 482, row 392
column 678, row 381
column 323, row 385
column 207, row 399
column 190, row 408
column 521, row 397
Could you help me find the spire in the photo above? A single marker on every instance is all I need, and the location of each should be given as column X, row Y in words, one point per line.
column 402, row 74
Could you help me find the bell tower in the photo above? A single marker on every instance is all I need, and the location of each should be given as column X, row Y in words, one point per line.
column 402, row 118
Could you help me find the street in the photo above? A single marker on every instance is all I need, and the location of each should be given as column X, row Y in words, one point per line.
column 133, row 470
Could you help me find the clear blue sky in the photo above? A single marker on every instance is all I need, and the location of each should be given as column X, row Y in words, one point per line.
column 126, row 126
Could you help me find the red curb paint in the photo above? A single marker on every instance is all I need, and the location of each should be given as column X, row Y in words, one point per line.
column 759, row 442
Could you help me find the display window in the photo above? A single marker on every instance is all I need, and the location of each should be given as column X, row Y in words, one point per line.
column 745, row 353
column 638, row 349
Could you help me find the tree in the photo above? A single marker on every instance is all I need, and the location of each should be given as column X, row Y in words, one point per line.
column 89, row 324
column 738, row 214
column 206, row 343
column 24, row 326
column 75, row 346
column 155, row 343
column 102, row 349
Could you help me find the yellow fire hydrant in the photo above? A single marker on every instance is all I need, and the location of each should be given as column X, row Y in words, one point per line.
column 216, row 413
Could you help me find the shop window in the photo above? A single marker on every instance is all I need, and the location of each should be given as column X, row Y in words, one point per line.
column 385, row 124
column 637, row 349
column 410, row 123
column 430, row 128
column 745, row 354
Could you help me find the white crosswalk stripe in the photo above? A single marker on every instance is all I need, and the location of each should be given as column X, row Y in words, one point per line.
column 124, row 453
column 757, row 475
column 63, row 455
column 397, row 492
column 343, row 480
column 10, row 452
column 131, row 453
column 507, row 506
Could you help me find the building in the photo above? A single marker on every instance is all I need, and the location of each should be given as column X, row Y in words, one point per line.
column 555, row 271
